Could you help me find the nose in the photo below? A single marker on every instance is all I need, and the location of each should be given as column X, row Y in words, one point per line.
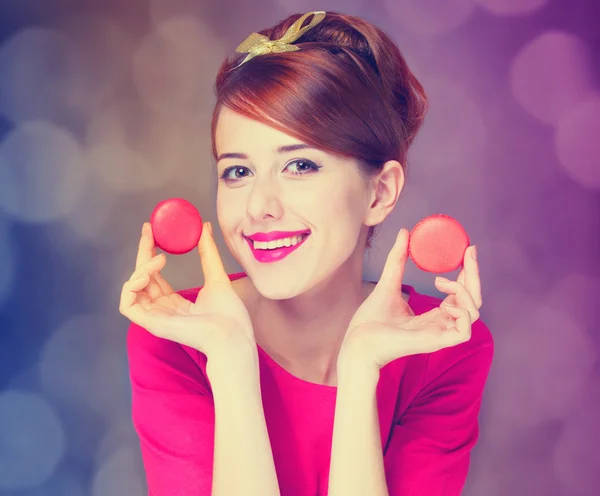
column 264, row 200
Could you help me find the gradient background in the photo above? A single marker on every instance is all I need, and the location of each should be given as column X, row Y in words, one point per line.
column 104, row 111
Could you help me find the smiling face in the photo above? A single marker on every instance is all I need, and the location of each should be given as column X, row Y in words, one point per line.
column 270, row 181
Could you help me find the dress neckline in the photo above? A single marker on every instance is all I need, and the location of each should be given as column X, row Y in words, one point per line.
column 410, row 290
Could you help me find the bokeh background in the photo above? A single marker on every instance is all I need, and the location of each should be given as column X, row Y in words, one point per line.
column 104, row 111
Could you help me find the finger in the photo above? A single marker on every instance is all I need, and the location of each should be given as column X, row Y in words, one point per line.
column 458, row 297
column 138, row 284
column 212, row 266
column 462, row 323
column 393, row 270
column 149, row 318
column 166, row 288
column 151, row 268
column 145, row 301
column 461, row 276
column 167, row 304
column 472, row 281
column 130, row 291
column 146, row 245
column 152, row 265
column 461, row 294
column 146, row 252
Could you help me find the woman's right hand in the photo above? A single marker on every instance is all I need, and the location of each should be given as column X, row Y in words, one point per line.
column 216, row 321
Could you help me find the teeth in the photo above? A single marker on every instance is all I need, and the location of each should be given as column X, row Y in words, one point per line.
column 271, row 245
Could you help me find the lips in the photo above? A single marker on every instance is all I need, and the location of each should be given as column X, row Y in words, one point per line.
column 269, row 256
column 304, row 235
column 275, row 235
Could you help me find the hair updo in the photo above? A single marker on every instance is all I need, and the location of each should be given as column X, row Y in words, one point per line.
column 347, row 91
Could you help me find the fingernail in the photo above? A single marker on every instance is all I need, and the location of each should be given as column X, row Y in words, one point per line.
column 441, row 279
column 144, row 228
column 474, row 252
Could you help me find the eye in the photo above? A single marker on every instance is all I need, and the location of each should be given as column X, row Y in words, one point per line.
column 302, row 167
column 226, row 173
column 305, row 167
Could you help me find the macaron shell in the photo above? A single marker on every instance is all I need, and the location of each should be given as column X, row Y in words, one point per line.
column 176, row 226
column 437, row 244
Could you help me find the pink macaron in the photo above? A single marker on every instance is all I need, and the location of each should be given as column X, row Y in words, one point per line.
column 176, row 225
column 438, row 244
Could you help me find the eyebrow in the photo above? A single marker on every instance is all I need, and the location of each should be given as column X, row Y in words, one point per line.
column 281, row 149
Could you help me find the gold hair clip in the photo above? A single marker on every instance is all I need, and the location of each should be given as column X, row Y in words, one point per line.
column 258, row 44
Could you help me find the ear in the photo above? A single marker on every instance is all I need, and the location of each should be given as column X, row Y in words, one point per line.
column 385, row 191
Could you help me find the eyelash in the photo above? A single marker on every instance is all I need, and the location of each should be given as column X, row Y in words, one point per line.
column 313, row 168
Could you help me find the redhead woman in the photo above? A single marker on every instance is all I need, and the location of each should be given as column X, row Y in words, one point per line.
column 297, row 377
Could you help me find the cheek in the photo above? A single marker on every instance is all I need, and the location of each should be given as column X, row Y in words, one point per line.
column 229, row 205
column 350, row 201
column 344, row 214
column 226, row 214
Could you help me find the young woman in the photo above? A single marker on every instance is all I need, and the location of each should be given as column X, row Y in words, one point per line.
column 298, row 377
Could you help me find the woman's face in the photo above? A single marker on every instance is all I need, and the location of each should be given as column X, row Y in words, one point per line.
column 264, row 187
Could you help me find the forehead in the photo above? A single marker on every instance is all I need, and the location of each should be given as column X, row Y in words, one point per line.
column 236, row 132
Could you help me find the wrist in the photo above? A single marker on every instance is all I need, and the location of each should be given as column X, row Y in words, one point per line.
column 355, row 368
column 239, row 361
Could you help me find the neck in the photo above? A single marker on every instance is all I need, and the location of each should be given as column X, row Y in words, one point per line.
column 304, row 333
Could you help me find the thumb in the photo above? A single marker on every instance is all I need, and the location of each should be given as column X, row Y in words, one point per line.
column 212, row 265
column 393, row 270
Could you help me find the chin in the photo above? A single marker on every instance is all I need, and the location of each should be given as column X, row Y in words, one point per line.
column 276, row 289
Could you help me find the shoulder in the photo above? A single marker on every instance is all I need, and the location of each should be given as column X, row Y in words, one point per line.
column 477, row 353
column 156, row 361
column 151, row 357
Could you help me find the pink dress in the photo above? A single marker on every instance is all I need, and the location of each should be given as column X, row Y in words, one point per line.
column 428, row 406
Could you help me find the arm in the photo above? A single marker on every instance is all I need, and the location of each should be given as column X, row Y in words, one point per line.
column 356, row 454
column 192, row 445
column 428, row 453
column 430, row 446
column 243, row 460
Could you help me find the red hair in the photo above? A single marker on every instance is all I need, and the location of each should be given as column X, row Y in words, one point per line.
column 347, row 91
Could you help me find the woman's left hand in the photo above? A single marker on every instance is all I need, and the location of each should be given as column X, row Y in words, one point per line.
column 385, row 328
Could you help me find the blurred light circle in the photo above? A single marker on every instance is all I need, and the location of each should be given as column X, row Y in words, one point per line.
column 512, row 7
column 37, row 74
column 123, row 121
column 120, row 474
column 121, row 433
column 577, row 142
column 103, row 66
column 551, row 75
column 123, row 169
column 85, row 361
column 175, row 66
column 42, row 174
column 429, row 17
column 92, row 219
column 32, row 440
column 132, row 149
column 576, row 460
